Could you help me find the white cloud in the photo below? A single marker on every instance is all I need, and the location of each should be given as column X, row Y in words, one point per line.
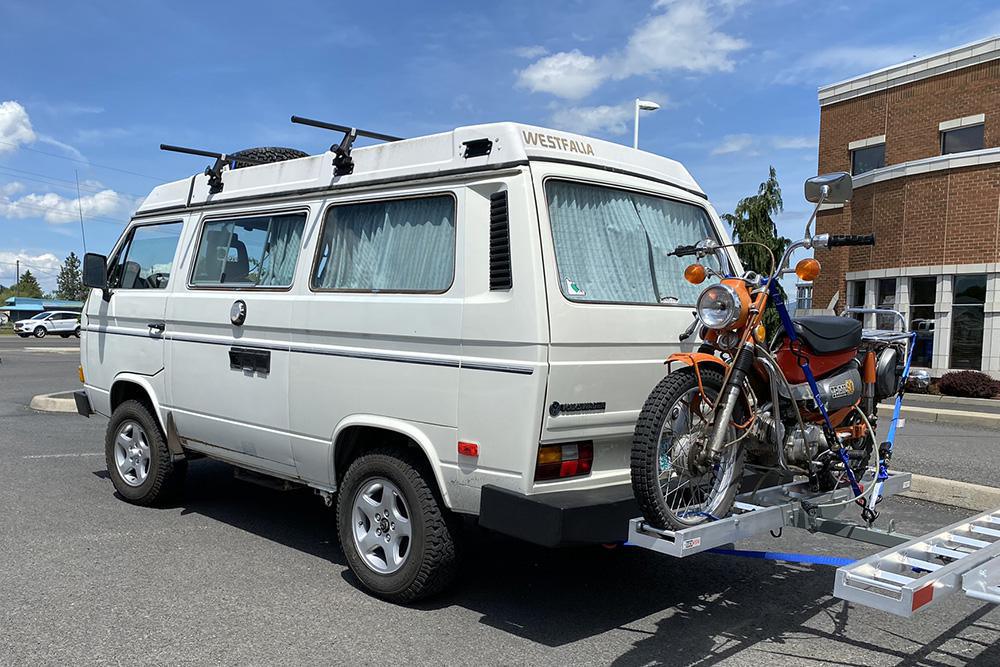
column 684, row 36
column 840, row 62
column 734, row 143
column 16, row 130
column 569, row 74
column 15, row 126
column 753, row 145
column 794, row 143
column 530, row 51
column 44, row 267
column 12, row 188
column 56, row 209
column 611, row 118
column 585, row 120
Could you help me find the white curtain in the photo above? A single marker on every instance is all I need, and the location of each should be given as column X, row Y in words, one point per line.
column 611, row 245
column 403, row 245
column 284, row 238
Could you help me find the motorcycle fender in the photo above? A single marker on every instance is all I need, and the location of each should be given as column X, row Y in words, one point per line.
column 695, row 358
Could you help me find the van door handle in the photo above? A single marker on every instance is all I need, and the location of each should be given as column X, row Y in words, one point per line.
column 156, row 327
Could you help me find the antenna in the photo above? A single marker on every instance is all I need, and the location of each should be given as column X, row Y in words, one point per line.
column 342, row 161
column 79, row 206
column 214, row 172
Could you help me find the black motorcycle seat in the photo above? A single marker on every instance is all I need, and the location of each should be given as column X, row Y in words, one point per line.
column 828, row 333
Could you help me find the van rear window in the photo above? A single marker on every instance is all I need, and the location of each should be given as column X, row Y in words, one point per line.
column 249, row 252
column 612, row 245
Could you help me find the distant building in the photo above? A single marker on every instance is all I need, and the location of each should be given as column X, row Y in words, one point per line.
column 922, row 139
column 22, row 307
column 803, row 296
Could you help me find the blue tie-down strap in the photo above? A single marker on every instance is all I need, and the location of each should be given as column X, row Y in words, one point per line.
column 811, row 559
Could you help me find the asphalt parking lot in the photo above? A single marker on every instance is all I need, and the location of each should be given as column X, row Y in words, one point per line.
column 233, row 573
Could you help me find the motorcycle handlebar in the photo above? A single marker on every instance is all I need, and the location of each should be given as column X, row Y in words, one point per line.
column 836, row 240
column 684, row 250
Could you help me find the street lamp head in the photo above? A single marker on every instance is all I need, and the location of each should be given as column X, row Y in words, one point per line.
column 646, row 105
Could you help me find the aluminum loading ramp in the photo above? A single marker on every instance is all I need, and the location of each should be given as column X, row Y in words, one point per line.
column 910, row 574
column 913, row 575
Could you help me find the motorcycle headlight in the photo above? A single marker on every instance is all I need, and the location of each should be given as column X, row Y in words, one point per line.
column 718, row 306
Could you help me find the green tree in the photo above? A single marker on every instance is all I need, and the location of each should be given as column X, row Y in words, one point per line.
column 752, row 222
column 28, row 286
column 69, row 283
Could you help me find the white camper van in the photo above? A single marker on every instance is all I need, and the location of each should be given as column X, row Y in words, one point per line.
column 465, row 323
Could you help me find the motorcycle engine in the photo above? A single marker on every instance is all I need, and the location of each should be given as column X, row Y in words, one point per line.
column 839, row 389
column 803, row 445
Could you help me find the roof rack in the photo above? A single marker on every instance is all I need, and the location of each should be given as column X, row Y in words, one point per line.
column 342, row 162
column 214, row 172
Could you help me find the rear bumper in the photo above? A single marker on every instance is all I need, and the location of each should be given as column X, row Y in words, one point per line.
column 588, row 516
column 83, row 406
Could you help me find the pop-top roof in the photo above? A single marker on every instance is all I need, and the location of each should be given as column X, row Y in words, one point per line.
column 421, row 157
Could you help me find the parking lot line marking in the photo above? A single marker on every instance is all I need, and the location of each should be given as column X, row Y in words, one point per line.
column 59, row 456
column 52, row 349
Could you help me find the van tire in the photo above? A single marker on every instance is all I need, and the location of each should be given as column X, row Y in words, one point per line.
column 432, row 555
column 265, row 154
column 164, row 474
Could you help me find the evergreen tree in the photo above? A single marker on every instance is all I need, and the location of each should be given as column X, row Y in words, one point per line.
column 752, row 221
column 69, row 283
column 28, row 286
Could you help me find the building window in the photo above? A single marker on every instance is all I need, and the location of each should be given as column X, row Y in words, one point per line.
column 923, row 292
column 867, row 158
column 803, row 297
column 886, row 298
column 967, row 319
column 962, row 139
column 856, row 297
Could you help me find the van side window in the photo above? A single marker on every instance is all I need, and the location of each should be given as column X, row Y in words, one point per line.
column 249, row 252
column 405, row 245
column 146, row 258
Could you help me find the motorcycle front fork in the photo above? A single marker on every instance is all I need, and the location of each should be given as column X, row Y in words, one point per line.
column 727, row 403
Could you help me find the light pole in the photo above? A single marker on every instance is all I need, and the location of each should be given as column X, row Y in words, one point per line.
column 644, row 105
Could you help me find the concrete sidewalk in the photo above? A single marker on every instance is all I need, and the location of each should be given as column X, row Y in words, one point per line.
column 947, row 409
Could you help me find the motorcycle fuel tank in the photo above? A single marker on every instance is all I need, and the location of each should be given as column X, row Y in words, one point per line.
column 840, row 389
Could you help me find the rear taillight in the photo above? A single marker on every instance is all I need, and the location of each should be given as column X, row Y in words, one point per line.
column 570, row 459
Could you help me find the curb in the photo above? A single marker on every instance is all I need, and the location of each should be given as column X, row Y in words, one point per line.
column 953, row 400
column 953, row 493
column 58, row 402
column 944, row 416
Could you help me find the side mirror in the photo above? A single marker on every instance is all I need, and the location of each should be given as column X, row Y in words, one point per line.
column 835, row 188
column 95, row 273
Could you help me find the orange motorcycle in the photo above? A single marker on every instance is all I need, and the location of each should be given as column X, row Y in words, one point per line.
column 802, row 405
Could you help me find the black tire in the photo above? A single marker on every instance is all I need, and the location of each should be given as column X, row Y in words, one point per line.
column 76, row 332
column 432, row 556
column 164, row 474
column 64, row 335
column 40, row 332
column 262, row 155
column 21, row 335
column 646, row 449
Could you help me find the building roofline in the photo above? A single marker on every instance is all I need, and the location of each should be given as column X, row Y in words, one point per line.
column 916, row 69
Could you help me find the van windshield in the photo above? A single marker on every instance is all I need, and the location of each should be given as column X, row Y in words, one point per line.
column 612, row 245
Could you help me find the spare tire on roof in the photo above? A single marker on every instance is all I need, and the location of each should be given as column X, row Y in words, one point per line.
column 262, row 155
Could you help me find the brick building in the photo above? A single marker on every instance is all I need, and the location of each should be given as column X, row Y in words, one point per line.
column 922, row 139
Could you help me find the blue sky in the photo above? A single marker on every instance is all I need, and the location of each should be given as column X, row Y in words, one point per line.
column 93, row 88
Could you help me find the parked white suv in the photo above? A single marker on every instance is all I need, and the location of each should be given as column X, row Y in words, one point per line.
column 465, row 323
column 65, row 323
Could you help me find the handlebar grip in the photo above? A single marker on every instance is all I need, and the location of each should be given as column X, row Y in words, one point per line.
column 685, row 250
column 850, row 239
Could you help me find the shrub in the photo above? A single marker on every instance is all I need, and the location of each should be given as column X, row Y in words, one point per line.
column 970, row 384
column 914, row 387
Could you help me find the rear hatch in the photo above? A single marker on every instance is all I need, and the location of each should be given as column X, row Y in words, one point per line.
column 617, row 303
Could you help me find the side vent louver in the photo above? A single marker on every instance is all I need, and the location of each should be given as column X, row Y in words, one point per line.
column 500, row 272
